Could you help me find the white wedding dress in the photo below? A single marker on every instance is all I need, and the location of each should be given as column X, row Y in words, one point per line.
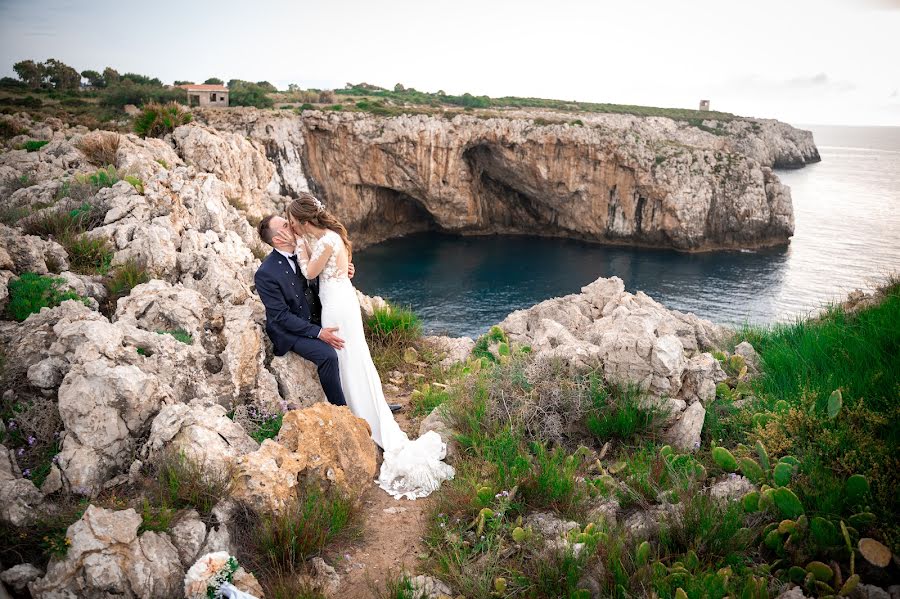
column 410, row 469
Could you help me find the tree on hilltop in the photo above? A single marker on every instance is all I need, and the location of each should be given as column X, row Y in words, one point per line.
column 178, row 82
column 94, row 78
column 213, row 81
column 111, row 76
column 32, row 73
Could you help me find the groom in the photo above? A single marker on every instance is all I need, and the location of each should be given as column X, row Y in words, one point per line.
column 293, row 311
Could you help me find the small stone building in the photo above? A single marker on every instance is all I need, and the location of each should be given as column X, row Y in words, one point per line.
column 206, row 95
column 704, row 104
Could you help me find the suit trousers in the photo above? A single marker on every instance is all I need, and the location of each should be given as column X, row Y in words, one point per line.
column 325, row 358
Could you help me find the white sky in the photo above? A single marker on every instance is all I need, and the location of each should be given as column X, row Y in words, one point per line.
column 801, row 61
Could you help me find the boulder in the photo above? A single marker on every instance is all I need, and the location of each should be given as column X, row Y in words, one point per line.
column 18, row 577
column 337, row 445
column 267, row 479
column 161, row 306
column 107, row 557
column 454, row 349
column 202, row 432
column 684, row 435
column 298, row 381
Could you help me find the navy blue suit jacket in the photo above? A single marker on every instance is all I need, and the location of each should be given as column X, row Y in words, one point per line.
column 287, row 311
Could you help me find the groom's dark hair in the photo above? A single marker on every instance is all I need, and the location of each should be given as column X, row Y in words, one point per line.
column 265, row 232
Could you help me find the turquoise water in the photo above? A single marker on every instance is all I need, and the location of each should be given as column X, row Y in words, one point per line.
column 847, row 213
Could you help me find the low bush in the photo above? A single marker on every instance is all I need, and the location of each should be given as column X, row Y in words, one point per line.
column 100, row 147
column 33, row 145
column 122, row 280
column 31, row 292
column 393, row 324
column 13, row 184
column 617, row 413
column 66, row 220
column 427, row 397
column 10, row 129
column 177, row 482
column 276, row 546
column 157, row 120
column 88, row 255
column 11, row 215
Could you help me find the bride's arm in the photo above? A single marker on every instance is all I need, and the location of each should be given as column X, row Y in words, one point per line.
column 311, row 267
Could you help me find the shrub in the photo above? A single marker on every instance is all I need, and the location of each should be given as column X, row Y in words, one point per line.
column 178, row 482
column 427, row 398
column 10, row 215
column 551, row 482
column 10, row 129
column 275, row 546
column 122, row 280
column 393, row 325
column 617, row 413
column 100, row 148
column 243, row 93
column 157, row 120
column 13, row 184
column 64, row 221
column 30, row 292
column 88, row 255
column 33, row 145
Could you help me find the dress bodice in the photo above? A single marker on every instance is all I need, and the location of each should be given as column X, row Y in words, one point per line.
column 336, row 266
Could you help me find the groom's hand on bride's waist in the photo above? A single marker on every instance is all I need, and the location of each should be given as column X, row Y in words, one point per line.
column 351, row 270
column 327, row 335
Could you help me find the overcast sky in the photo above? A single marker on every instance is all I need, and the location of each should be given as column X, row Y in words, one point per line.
column 801, row 61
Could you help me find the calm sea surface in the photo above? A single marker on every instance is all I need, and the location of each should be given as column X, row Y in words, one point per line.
column 847, row 214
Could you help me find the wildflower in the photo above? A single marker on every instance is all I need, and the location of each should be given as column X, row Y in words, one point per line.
column 697, row 444
column 26, row 473
column 12, row 425
column 56, row 459
column 501, row 494
column 20, row 451
column 443, row 525
column 31, row 440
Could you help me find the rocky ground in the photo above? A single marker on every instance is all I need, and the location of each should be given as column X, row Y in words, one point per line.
column 150, row 344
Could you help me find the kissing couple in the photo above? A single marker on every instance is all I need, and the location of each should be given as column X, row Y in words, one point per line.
column 310, row 266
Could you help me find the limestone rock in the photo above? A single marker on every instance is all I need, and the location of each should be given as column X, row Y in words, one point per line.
column 188, row 535
column 102, row 405
column 107, row 556
column 620, row 178
column 202, row 432
column 436, row 421
column 429, row 587
column 237, row 162
column 337, row 445
column 456, row 349
column 298, row 381
column 29, row 253
column 20, row 575
column 604, row 511
column 685, row 433
column 701, row 375
column 324, row 577
column 751, row 358
column 267, row 479
column 548, row 525
column 18, row 498
column 731, row 488
column 160, row 306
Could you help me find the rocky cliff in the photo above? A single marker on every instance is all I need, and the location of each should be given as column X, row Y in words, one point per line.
column 620, row 179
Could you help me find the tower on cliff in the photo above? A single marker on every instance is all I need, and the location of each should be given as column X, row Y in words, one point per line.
column 704, row 104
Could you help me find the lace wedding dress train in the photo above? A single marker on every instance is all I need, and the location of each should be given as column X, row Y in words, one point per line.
column 410, row 469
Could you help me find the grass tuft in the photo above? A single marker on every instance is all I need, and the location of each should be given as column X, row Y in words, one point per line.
column 31, row 292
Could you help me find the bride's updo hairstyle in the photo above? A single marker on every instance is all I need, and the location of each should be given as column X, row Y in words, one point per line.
column 308, row 209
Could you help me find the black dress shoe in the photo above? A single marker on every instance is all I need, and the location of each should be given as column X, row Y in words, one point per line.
column 395, row 407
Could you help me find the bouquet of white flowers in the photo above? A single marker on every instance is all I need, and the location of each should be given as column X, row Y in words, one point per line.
column 210, row 578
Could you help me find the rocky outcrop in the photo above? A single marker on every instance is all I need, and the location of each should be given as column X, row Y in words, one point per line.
column 107, row 557
column 635, row 341
column 621, row 179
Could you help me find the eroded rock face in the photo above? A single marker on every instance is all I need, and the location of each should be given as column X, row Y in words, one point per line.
column 107, row 557
column 617, row 179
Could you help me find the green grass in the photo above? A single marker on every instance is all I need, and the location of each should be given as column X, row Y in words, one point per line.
column 30, row 292
column 393, row 324
column 177, row 482
column 88, row 255
column 860, row 354
column 180, row 335
column 616, row 413
column 427, row 398
column 278, row 544
column 268, row 428
column 157, row 120
column 33, row 145
column 122, row 280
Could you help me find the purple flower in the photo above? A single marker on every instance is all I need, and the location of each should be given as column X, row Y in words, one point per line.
column 26, row 473
column 83, row 491
column 501, row 494
column 20, row 451
column 56, row 459
column 31, row 440
column 12, row 425
column 697, row 444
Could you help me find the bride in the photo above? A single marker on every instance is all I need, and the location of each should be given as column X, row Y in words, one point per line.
column 410, row 469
